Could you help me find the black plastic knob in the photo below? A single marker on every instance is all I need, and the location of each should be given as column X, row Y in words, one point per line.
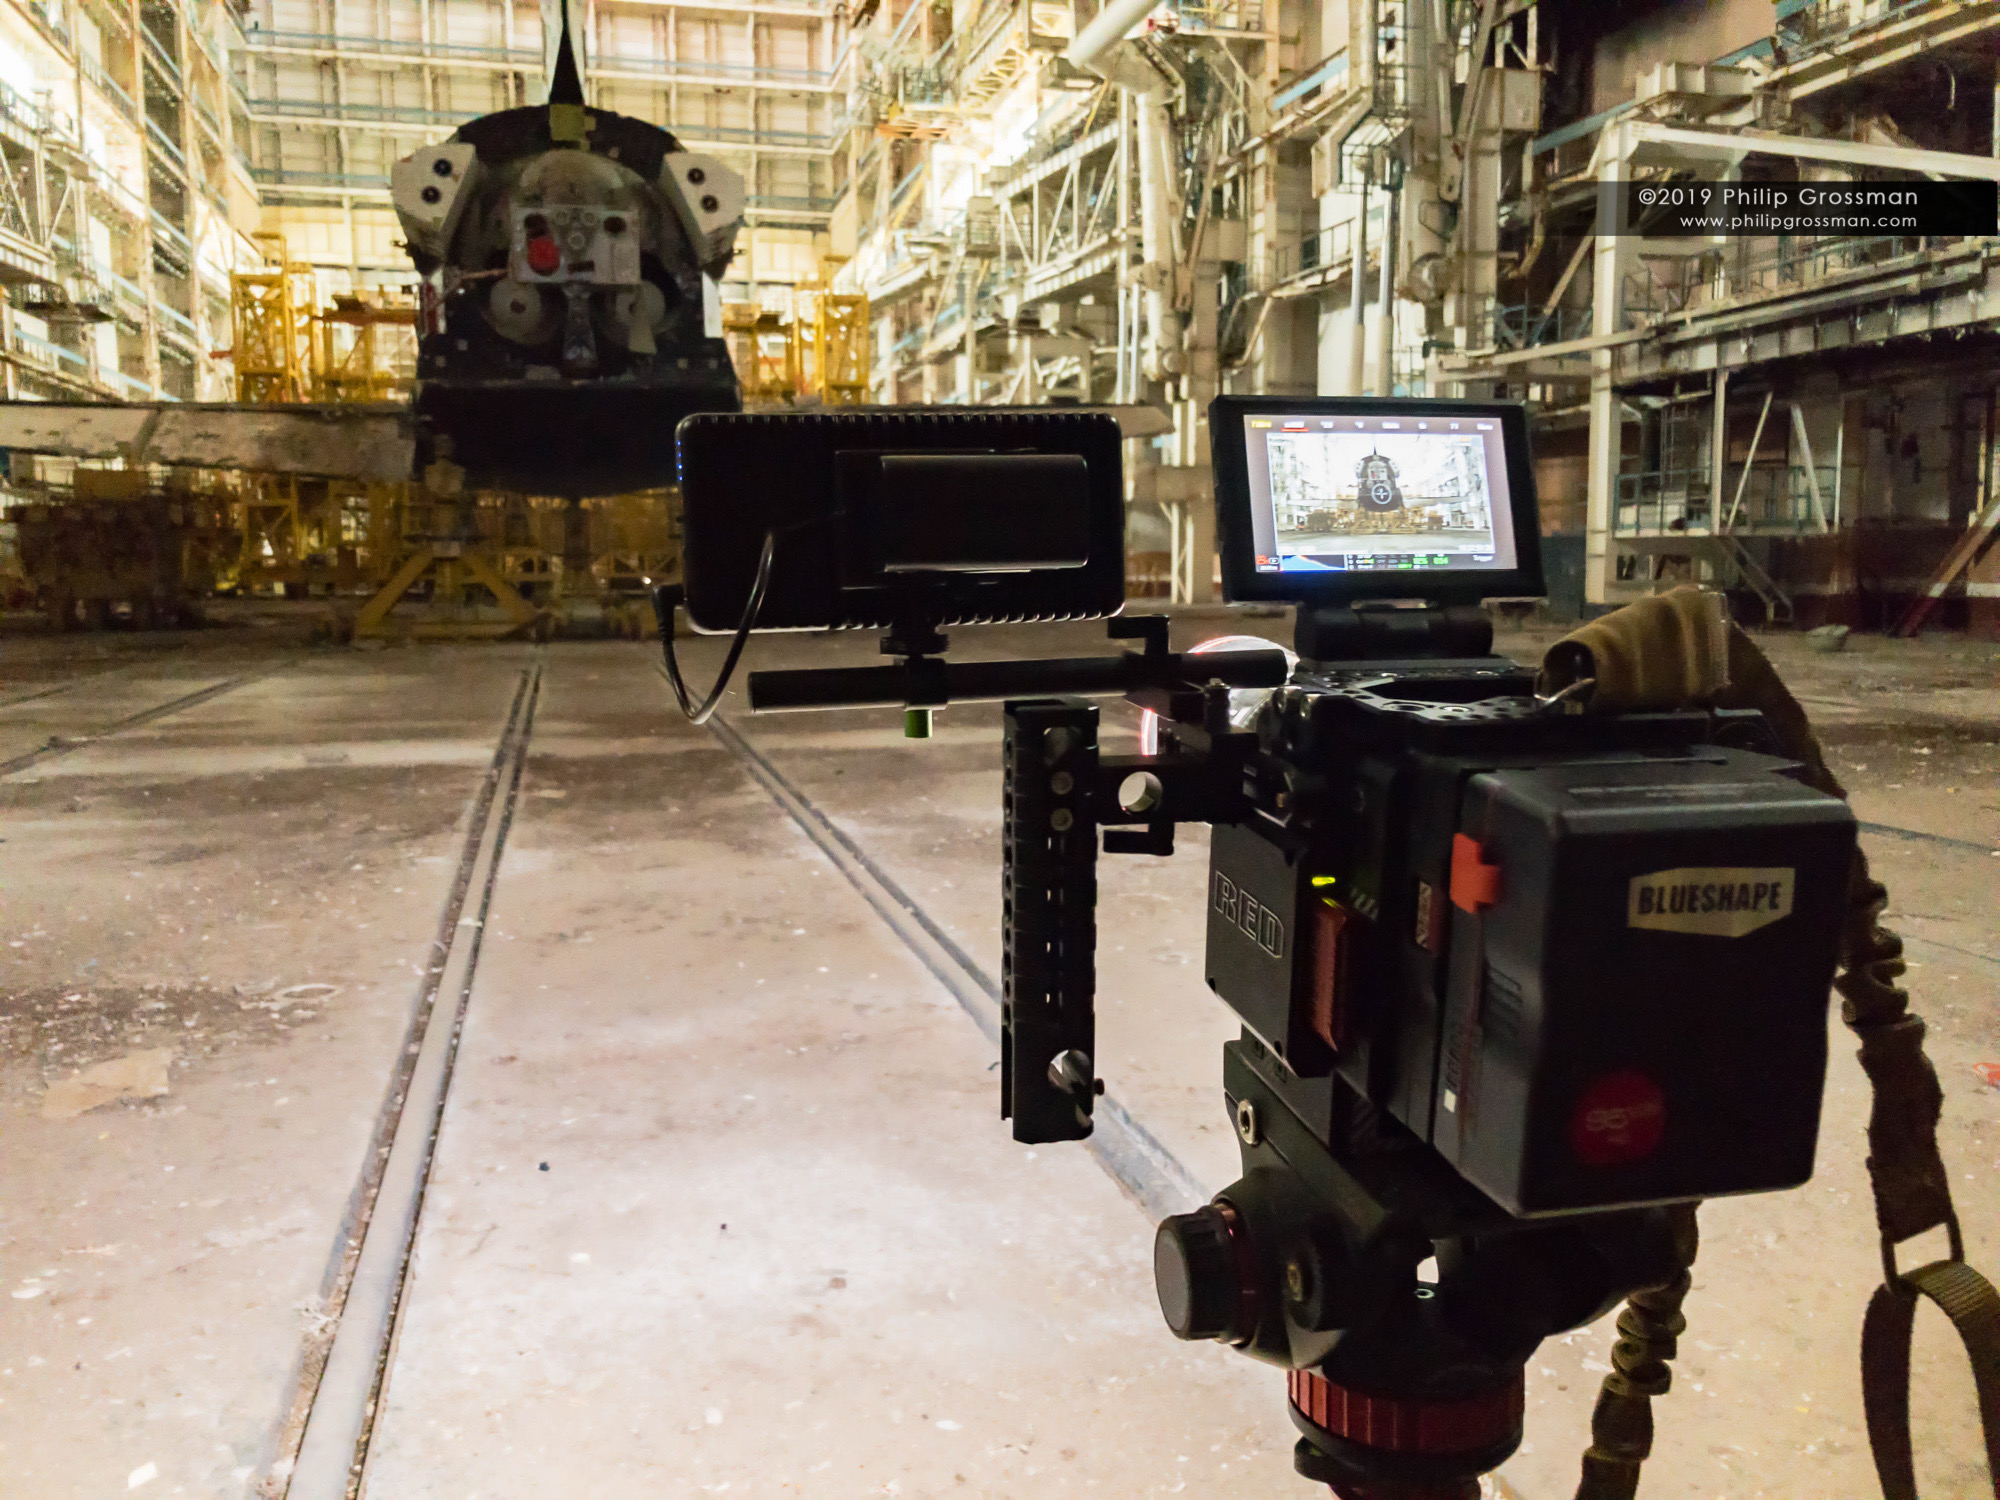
column 1195, row 1272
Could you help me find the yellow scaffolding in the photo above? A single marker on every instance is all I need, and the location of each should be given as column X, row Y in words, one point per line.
column 359, row 353
column 273, row 316
column 481, row 564
column 829, row 340
column 296, row 533
column 840, row 348
column 767, row 365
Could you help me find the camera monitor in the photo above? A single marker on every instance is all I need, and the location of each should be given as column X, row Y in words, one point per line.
column 870, row 517
column 1343, row 499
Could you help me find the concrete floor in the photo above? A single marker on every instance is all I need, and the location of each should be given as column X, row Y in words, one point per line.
column 722, row 1204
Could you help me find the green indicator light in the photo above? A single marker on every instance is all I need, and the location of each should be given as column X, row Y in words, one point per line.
column 1323, row 879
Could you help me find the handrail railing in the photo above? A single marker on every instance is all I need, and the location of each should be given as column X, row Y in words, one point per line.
column 260, row 40
column 654, row 67
column 28, row 343
column 160, row 53
column 283, row 177
column 1527, row 325
column 1727, row 274
column 165, row 142
column 777, row 202
column 51, row 18
column 122, row 197
column 123, row 102
column 1814, row 25
column 129, row 288
column 175, row 235
column 206, row 115
column 312, row 41
column 416, row 114
column 175, row 315
column 1774, row 497
column 1327, row 248
column 367, row 182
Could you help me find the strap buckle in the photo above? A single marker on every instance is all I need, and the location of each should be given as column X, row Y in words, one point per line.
column 1953, row 1236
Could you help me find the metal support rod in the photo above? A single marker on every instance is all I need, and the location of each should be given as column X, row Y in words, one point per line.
column 1470, row 105
column 1749, row 460
column 971, row 376
column 1121, row 167
column 1607, row 416
column 1812, row 477
column 1839, row 460
column 1986, row 435
column 1569, row 272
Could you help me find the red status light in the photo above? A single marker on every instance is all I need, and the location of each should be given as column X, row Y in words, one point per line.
column 543, row 255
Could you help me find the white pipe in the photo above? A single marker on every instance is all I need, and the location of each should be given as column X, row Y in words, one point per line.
column 1111, row 24
column 1357, row 301
column 1385, row 310
column 1158, row 209
column 1839, row 445
column 1812, row 473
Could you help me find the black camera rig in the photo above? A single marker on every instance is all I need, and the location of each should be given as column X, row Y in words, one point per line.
column 1512, row 979
column 1517, row 981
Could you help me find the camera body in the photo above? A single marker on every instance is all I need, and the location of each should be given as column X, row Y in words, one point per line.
column 1514, row 981
column 1584, row 957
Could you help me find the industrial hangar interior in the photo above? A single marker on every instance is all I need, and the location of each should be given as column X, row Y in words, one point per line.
column 999, row 748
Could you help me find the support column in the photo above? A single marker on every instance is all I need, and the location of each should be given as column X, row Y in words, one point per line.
column 1159, row 211
column 1357, row 302
column 968, row 375
column 1332, row 366
column 1128, row 314
column 1608, row 270
column 1198, row 388
column 1385, row 301
column 1718, row 446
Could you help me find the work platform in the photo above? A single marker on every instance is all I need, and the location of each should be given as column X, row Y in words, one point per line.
column 721, row 1202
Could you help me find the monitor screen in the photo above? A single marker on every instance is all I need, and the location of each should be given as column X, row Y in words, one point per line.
column 1373, row 498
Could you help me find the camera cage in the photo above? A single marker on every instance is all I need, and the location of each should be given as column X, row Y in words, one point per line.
column 1349, row 1198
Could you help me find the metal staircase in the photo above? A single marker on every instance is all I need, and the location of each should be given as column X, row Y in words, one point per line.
column 1777, row 603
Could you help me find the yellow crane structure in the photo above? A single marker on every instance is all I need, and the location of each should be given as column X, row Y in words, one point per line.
column 812, row 349
column 767, row 356
column 840, row 347
column 272, row 319
column 358, row 355
column 299, row 534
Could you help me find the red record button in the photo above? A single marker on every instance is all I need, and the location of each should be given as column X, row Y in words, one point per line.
column 1619, row 1119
